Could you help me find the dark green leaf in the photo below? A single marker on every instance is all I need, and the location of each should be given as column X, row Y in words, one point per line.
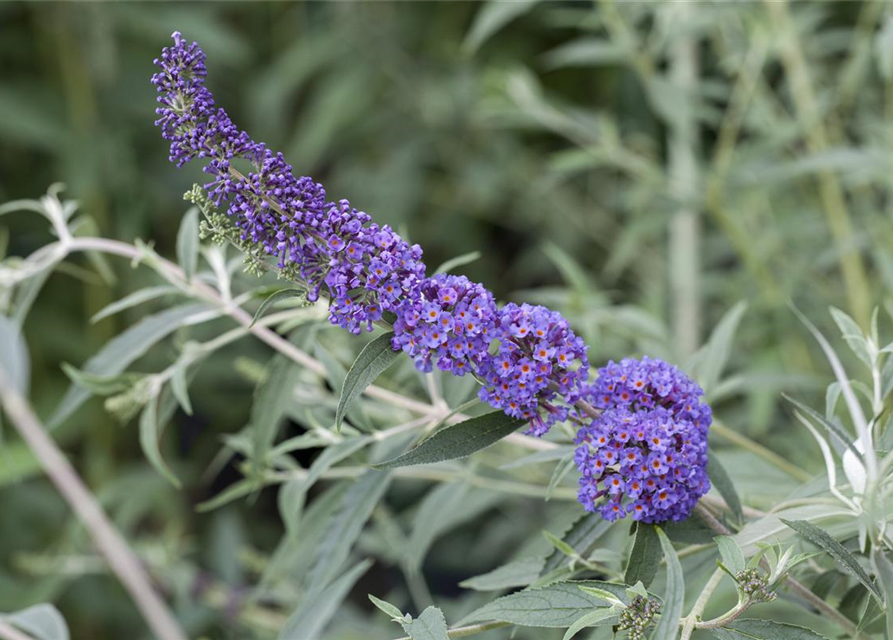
column 844, row 558
column 375, row 357
column 557, row 605
column 492, row 17
column 644, row 559
column 667, row 627
column 458, row 440
column 723, row 483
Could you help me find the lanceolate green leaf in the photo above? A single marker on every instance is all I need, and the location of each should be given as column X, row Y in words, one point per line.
column 458, row 440
column 885, row 575
column 517, row 573
column 14, row 359
column 41, row 622
column 602, row 616
column 271, row 400
column 844, row 558
column 711, row 360
column 557, row 605
column 124, row 349
column 428, row 626
column 723, row 483
column 318, row 607
column 667, row 627
column 644, row 559
column 150, row 436
column 752, row 629
column 282, row 294
column 581, row 536
column 731, row 554
column 375, row 357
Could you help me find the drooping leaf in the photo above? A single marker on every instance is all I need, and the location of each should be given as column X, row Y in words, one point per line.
column 458, row 440
column 101, row 385
column 557, row 605
column 345, row 525
column 753, row 629
column 710, row 360
column 723, row 483
column 517, row 573
column 136, row 298
column 580, row 537
column 445, row 507
column 844, row 558
column 318, row 607
column 125, row 348
column 188, row 243
column 430, row 625
column 149, row 441
column 492, row 17
column 667, row 627
column 282, row 294
column 375, row 357
column 41, row 622
column 458, row 261
column 558, row 474
column 333, row 454
column 598, row 617
column 644, row 559
column 853, row 335
column 272, row 398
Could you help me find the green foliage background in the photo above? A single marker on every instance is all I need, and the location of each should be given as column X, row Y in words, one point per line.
column 545, row 136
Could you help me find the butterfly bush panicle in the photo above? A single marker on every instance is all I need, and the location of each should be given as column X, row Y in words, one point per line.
column 646, row 454
column 539, row 370
column 450, row 324
column 364, row 269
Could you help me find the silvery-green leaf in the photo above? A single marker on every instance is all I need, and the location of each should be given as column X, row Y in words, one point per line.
column 603, row 616
column 430, row 625
column 667, row 627
column 458, row 440
column 136, row 298
column 14, row 359
column 731, row 554
column 559, row 473
column 556, row 605
column 517, row 573
column 272, row 397
column 188, row 243
column 386, row 607
column 282, row 294
column 710, row 361
column 853, row 335
column 375, row 357
column 318, row 607
column 149, row 440
column 125, row 348
column 41, row 622
column 580, row 537
column 844, row 558
column 885, row 577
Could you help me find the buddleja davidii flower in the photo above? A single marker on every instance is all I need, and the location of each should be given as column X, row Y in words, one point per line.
column 646, row 454
column 539, row 370
column 450, row 324
column 325, row 244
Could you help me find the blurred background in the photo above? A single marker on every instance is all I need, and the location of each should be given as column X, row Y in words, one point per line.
column 641, row 167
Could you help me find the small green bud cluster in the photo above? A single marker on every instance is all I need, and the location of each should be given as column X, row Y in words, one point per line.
column 754, row 586
column 637, row 617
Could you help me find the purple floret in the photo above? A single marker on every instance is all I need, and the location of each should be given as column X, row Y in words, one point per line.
column 646, row 454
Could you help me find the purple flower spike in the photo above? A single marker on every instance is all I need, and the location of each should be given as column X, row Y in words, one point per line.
column 539, row 370
column 366, row 269
column 646, row 454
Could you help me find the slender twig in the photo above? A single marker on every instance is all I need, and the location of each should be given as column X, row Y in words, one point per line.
column 794, row 585
column 109, row 542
